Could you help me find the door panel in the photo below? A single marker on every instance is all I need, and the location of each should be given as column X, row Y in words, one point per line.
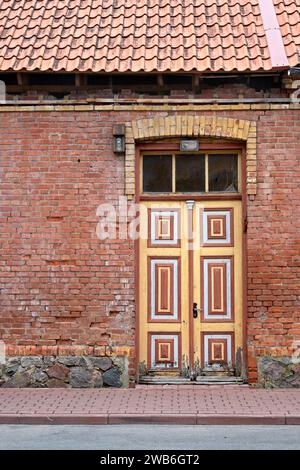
column 164, row 289
column 169, row 277
column 217, row 349
column 217, row 289
column 217, row 228
column 164, row 229
column 164, row 351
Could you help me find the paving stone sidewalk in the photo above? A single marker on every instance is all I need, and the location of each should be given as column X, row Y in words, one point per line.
column 187, row 404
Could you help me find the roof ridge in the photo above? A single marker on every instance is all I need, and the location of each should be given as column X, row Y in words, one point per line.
column 273, row 34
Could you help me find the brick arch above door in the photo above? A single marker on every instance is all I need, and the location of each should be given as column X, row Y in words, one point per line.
column 162, row 127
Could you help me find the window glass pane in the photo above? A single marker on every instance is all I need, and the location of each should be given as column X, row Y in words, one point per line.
column 157, row 173
column 190, row 173
column 222, row 173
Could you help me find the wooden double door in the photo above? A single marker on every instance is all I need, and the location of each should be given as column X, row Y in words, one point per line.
column 190, row 287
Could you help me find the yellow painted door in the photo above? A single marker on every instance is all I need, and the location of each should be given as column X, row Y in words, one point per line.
column 218, row 289
column 190, row 287
column 163, row 312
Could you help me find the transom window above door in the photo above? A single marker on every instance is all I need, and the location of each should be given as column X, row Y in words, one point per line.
column 190, row 172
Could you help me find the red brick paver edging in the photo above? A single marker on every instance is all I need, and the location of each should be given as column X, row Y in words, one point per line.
column 186, row 404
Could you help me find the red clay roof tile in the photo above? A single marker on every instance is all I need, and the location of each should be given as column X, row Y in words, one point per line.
column 288, row 14
column 157, row 35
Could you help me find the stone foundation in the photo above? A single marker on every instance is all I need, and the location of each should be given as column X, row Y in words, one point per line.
column 278, row 372
column 64, row 371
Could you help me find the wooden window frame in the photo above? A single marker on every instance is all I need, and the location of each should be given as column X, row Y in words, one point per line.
column 173, row 149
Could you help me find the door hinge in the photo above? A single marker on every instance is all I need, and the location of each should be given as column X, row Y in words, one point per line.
column 245, row 224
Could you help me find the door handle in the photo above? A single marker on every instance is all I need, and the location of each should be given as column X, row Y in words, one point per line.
column 195, row 310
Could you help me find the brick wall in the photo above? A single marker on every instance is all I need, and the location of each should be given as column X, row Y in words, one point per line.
column 273, row 239
column 66, row 292
column 210, row 89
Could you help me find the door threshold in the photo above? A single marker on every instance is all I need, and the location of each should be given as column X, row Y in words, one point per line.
column 200, row 380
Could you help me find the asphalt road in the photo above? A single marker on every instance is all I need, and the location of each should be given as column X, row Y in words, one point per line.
column 148, row 437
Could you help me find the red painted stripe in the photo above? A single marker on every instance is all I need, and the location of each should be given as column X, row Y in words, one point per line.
column 273, row 34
